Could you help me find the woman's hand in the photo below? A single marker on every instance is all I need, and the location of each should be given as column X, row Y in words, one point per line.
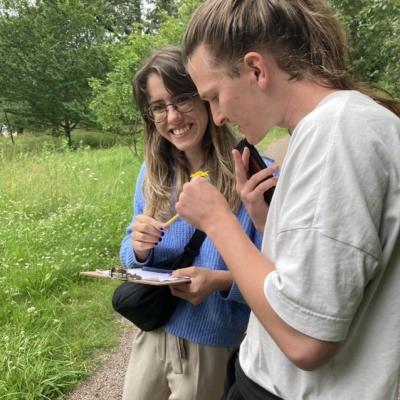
column 146, row 233
column 203, row 283
column 251, row 190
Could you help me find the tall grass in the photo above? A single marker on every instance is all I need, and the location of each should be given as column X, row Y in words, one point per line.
column 36, row 143
column 60, row 213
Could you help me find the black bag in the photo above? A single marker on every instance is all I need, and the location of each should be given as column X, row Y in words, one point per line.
column 150, row 307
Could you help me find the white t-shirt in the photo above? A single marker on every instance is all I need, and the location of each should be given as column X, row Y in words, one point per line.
column 333, row 233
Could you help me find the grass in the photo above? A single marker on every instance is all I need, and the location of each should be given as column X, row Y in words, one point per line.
column 36, row 143
column 61, row 213
column 272, row 136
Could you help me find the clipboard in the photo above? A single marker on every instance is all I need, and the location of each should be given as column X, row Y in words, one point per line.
column 137, row 275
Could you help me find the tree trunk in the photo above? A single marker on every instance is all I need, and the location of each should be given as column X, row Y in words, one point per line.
column 9, row 127
column 67, row 130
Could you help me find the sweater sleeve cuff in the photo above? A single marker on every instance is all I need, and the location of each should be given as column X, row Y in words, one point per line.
column 137, row 263
column 129, row 260
column 233, row 294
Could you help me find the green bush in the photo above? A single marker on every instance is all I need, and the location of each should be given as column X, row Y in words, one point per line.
column 94, row 140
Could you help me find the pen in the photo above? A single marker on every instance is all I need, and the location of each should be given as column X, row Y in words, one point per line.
column 197, row 174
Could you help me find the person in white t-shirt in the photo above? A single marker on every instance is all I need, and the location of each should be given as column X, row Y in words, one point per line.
column 324, row 290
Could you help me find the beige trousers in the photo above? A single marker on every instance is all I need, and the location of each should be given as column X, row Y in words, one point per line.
column 165, row 367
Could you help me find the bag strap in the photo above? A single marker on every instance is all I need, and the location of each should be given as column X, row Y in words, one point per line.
column 191, row 250
column 193, row 246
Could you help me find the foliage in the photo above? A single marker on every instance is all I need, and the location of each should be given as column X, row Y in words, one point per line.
column 37, row 143
column 118, row 16
column 113, row 105
column 375, row 47
column 73, row 219
column 156, row 16
column 374, row 30
column 98, row 140
column 48, row 52
column 51, row 48
column 15, row 120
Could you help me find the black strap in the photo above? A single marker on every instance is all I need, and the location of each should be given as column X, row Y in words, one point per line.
column 191, row 250
column 193, row 246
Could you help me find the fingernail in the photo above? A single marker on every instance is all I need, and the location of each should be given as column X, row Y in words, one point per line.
column 159, row 240
column 162, row 233
column 155, row 244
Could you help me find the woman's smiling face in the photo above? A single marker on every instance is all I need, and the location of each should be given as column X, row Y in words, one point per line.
column 184, row 130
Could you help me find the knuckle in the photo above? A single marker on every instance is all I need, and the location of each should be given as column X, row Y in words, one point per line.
column 247, row 197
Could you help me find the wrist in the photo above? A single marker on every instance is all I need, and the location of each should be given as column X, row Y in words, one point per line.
column 220, row 225
column 222, row 281
column 141, row 255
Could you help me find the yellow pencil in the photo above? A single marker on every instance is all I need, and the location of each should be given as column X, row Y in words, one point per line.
column 197, row 174
column 171, row 220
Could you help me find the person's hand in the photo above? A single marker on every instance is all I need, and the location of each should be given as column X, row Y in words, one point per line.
column 146, row 233
column 251, row 190
column 201, row 204
column 203, row 283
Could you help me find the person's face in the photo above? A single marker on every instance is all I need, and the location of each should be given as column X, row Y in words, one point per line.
column 184, row 130
column 235, row 100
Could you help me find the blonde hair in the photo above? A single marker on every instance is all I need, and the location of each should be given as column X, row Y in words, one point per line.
column 167, row 168
column 304, row 37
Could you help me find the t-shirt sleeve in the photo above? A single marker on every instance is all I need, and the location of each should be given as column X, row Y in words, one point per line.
column 317, row 292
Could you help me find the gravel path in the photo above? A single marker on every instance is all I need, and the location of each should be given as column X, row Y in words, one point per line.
column 106, row 383
column 277, row 150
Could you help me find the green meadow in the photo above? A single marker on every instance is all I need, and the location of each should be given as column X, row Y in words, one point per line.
column 61, row 212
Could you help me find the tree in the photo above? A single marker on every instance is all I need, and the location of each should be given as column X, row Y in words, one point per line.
column 14, row 122
column 374, row 30
column 49, row 51
column 156, row 16
column 118, row 16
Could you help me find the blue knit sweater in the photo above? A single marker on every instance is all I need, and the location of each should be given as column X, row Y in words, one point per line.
column 221, row 319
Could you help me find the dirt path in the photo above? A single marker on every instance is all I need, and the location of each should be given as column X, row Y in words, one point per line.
column 277, row 150
column 107, row 381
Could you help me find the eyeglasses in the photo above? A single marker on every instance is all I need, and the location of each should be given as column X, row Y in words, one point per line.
column 183, row 103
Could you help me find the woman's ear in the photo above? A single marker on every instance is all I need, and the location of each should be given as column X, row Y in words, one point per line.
column 256, row 64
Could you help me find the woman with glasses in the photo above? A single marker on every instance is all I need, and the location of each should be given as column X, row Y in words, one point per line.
column 186, row 359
